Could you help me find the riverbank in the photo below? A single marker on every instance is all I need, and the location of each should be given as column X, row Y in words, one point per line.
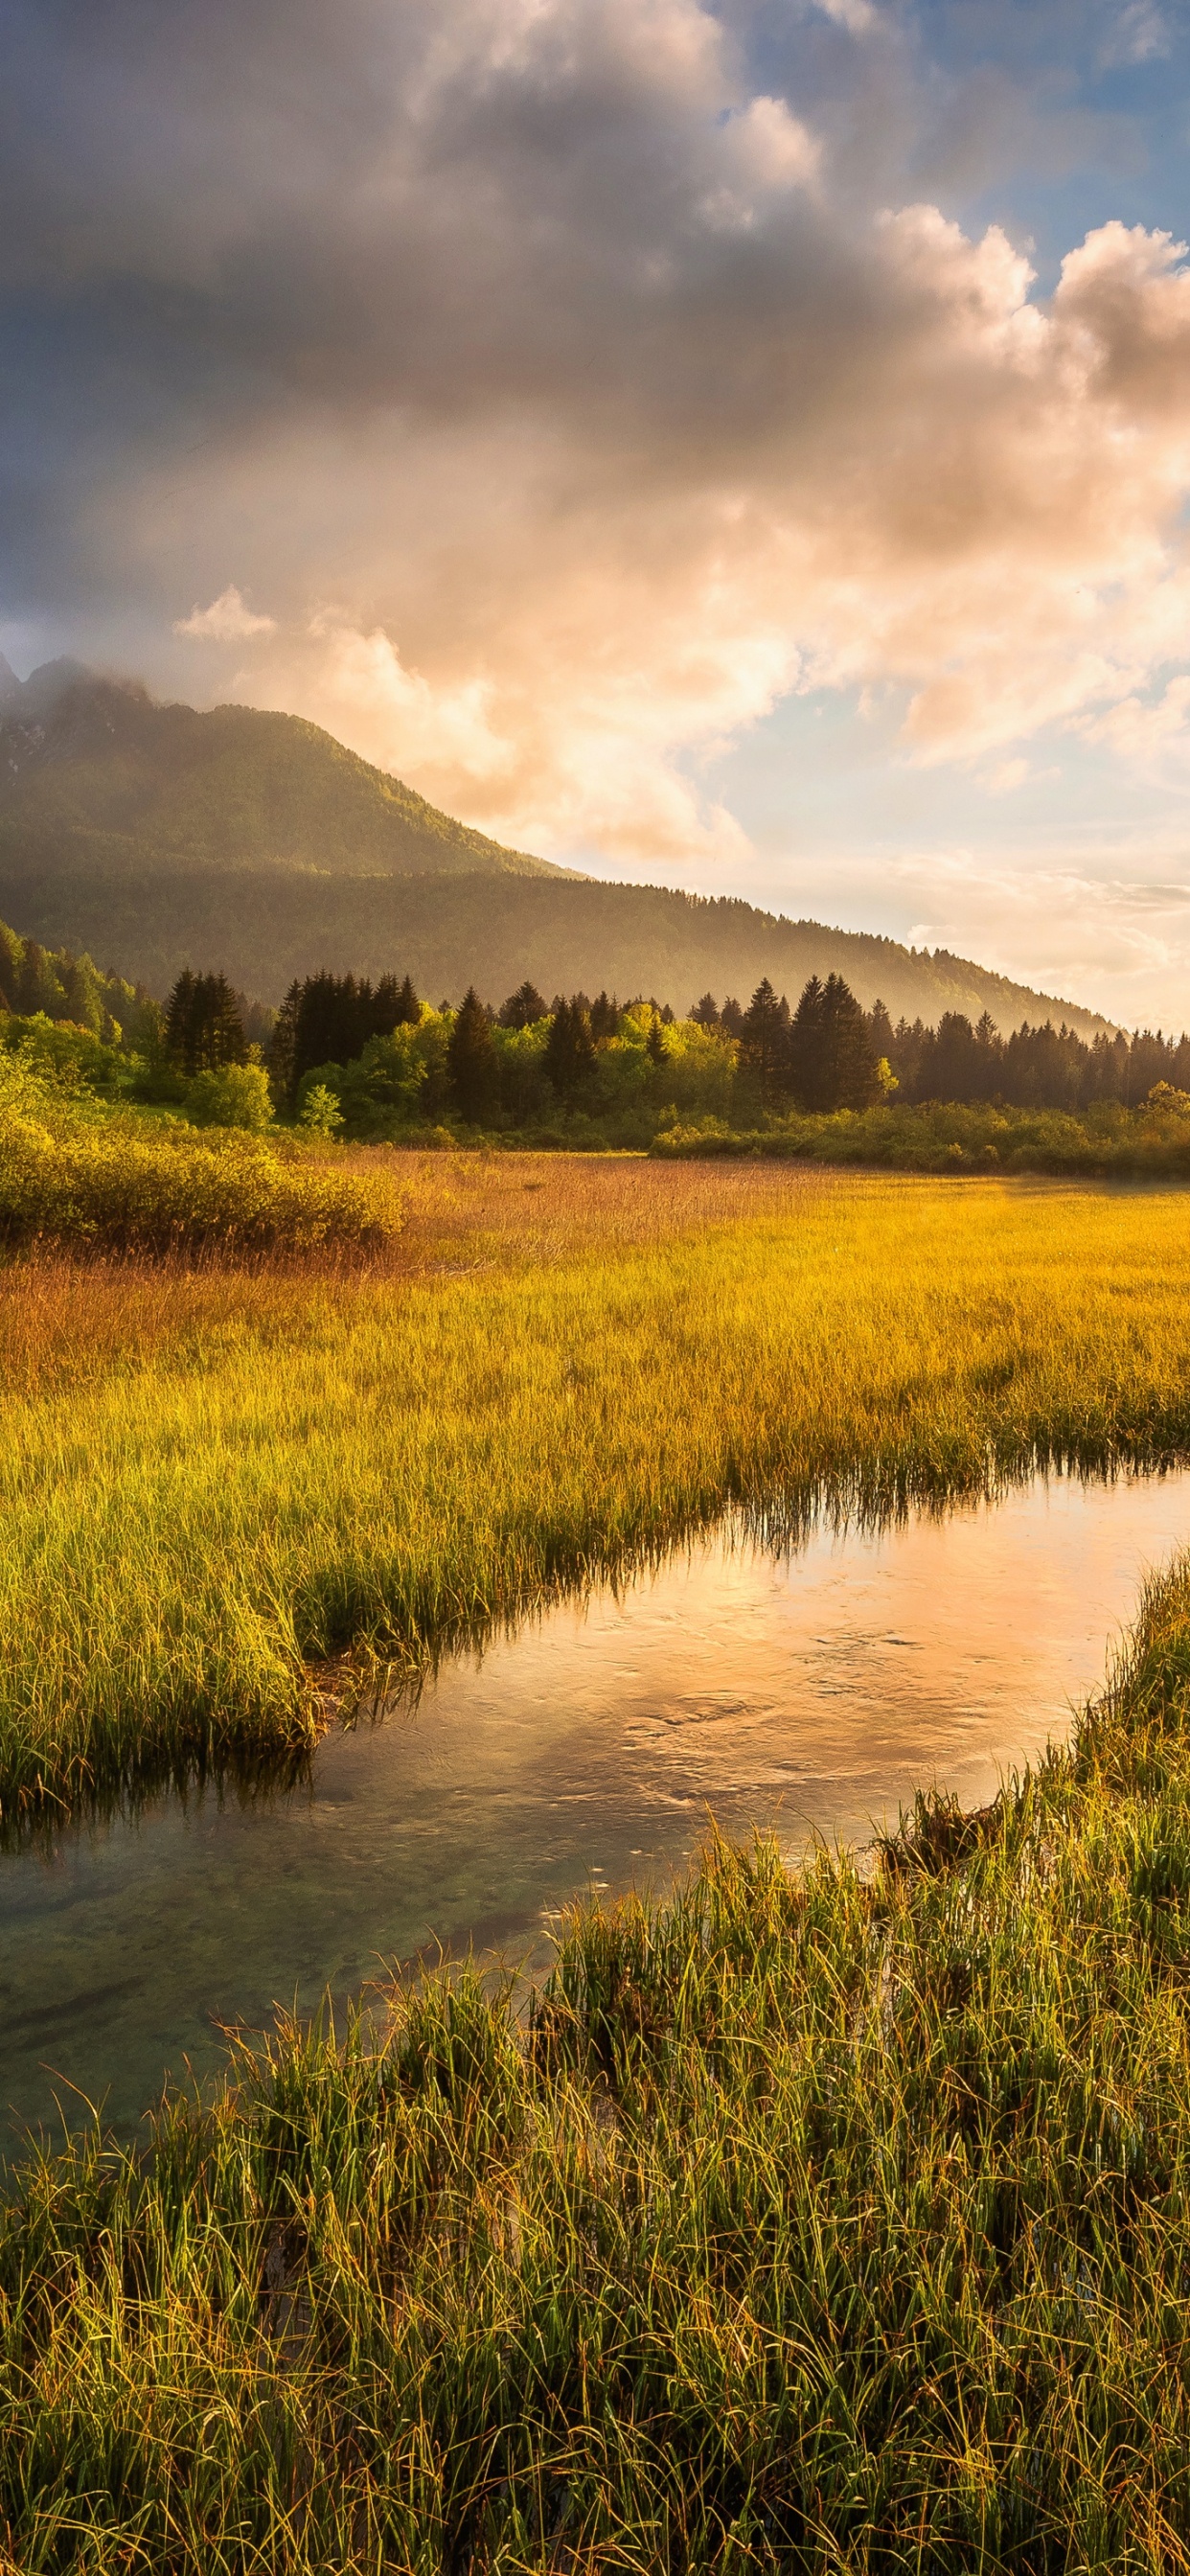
column 815, row 2222
column 213, row 1479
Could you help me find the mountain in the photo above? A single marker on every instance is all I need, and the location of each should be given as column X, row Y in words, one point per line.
column 157, row 837
column 97, row 777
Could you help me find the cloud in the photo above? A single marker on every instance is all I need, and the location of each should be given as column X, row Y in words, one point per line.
column 857, row 16
column 1103, row 939
column 1137, row 34
column 562, row 382
column 228, row 620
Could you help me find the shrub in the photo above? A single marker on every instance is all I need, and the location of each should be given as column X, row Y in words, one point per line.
column 321, row 1114
column 73, row 1058
column 941, row 1136
column 104, row 1178
column 232, row 1095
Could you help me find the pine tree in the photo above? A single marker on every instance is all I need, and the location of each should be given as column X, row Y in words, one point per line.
column 706, row 1012
column 847, row 1076
column 524, row 1008
column 38, row 988
column 880, row 1030
column 408, row 1006
column 203, row 1028
column 569, row 1049
column 605, row 1017
column 764, row 1042
column 472, row 1061
column 282, row 1048
column 805, row 1045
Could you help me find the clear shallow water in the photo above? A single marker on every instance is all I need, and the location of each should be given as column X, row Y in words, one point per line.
column 811, row 1692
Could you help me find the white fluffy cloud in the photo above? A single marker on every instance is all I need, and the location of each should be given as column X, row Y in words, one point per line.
column 980, row 509
column 228, row 620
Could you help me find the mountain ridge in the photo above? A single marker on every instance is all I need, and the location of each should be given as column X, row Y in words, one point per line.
column 82, row 756
column 158, row 836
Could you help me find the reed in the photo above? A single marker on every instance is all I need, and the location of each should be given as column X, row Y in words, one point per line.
column 811, row 2223
column 285, row 1464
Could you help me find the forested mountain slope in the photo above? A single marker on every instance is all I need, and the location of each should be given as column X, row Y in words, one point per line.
column 96, row 778
column 254, row 843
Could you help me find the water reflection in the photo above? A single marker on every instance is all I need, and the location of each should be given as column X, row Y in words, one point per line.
column 815, row 1690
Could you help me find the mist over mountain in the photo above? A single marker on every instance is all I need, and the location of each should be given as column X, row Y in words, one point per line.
column 155, row 836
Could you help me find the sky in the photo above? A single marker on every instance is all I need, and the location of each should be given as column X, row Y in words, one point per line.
column 743, row 447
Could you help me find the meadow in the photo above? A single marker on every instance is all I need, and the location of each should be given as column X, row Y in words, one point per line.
column 219, row 1475
column 818, row 2223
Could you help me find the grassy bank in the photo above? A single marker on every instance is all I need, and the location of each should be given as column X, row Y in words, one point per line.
column 816, row 2224
column 207, row 1483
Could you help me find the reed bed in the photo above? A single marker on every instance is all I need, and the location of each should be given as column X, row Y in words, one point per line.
column 268, row 1477
column 814, row 2223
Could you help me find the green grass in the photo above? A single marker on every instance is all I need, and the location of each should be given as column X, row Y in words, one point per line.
column 596, row 1360
column 836, row 2222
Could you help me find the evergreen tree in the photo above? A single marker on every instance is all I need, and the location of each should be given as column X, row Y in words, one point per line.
column 881, row 1031
column 765, row 1043
column 706, row 1012
column 833, row 1061
column 472, row 1061
column 282, row 1048
column 385, row 1011
column 731, row 1018
column 847, row 1057
column 805, row 1046
column 655, row 1043
column 203, row 1028
column 38, row 988
column 569, row 1049
column 605, row 1017
column 408, row 1006
column 524, row 1008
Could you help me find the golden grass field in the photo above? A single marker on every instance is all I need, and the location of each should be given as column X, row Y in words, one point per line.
column 214, row 1477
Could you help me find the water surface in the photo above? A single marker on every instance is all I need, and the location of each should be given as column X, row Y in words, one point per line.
column 813, row 1691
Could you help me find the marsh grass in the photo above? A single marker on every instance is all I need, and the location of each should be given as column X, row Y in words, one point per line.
column 835, row 2221
column 240, row 1476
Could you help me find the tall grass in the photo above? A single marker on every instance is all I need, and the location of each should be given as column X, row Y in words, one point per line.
column 825, row 2223
column 401, row 1458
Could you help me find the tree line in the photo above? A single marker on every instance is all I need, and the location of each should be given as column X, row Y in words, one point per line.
column 576, row 1053
column 826, row 1053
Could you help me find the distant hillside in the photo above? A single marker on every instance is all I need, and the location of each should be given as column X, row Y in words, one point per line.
column 156, row 837
column 95, row 778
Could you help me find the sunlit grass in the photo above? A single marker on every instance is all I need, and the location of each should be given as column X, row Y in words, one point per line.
column 816, row 2223
column 218, row 1480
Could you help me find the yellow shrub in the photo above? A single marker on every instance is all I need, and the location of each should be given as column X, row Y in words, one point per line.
column 66, row 1176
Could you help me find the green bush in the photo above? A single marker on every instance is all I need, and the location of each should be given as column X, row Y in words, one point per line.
column 958, row 1137
column 70, row 1056
column 321, row 1114
column 72, row 1175
column 235, row 1095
